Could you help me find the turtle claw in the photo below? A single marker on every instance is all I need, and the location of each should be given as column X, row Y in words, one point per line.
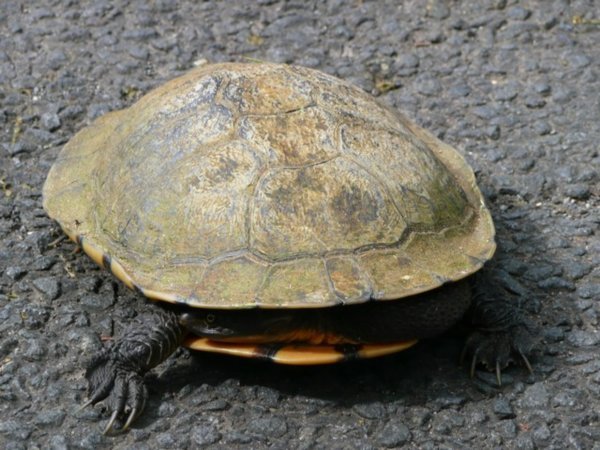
column 111, row 422
column 122, row 388
column 126, row 400
column 496, row 350
column 132, row 416
column 525, row 361
column 473, row 363
column 498, row 373
column 85, row 405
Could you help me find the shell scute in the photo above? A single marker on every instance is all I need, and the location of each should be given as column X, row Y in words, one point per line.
column 322, row 208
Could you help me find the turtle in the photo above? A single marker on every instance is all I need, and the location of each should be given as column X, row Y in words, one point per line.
column 277, row 212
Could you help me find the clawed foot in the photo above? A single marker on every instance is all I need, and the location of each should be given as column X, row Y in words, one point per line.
column 117, row 372
column 497, row 349
column 123, row 388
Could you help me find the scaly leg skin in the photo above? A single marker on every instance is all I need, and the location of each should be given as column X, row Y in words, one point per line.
column 502, row 333
column 116, row 373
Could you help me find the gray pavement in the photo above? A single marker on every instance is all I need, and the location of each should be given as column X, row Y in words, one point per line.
column 513, row 85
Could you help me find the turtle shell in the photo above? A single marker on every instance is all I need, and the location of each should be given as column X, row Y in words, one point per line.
column 269, row 185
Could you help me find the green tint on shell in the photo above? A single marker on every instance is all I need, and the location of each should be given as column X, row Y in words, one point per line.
column 241, row 185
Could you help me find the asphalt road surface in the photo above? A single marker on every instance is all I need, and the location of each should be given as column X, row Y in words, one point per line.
column 513, row 85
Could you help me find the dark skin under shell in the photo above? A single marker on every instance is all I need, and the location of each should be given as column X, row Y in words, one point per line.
column 423, row 316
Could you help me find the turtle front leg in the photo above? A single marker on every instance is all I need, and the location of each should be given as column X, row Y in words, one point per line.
column 502, row 333
column 116, row 373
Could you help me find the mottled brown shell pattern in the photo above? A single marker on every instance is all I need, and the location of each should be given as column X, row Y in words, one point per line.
column 241, row 185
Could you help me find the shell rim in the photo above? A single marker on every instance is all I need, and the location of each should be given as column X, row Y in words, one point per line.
column 104, row 260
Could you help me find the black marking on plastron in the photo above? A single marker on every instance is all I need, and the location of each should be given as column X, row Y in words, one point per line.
column 268, row 351
column 350, row 351
column 106, row 261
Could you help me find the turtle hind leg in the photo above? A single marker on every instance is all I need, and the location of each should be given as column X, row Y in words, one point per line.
column 116, row 373
column 502, row 334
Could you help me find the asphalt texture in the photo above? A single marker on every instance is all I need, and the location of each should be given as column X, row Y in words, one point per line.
column 513, row 85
